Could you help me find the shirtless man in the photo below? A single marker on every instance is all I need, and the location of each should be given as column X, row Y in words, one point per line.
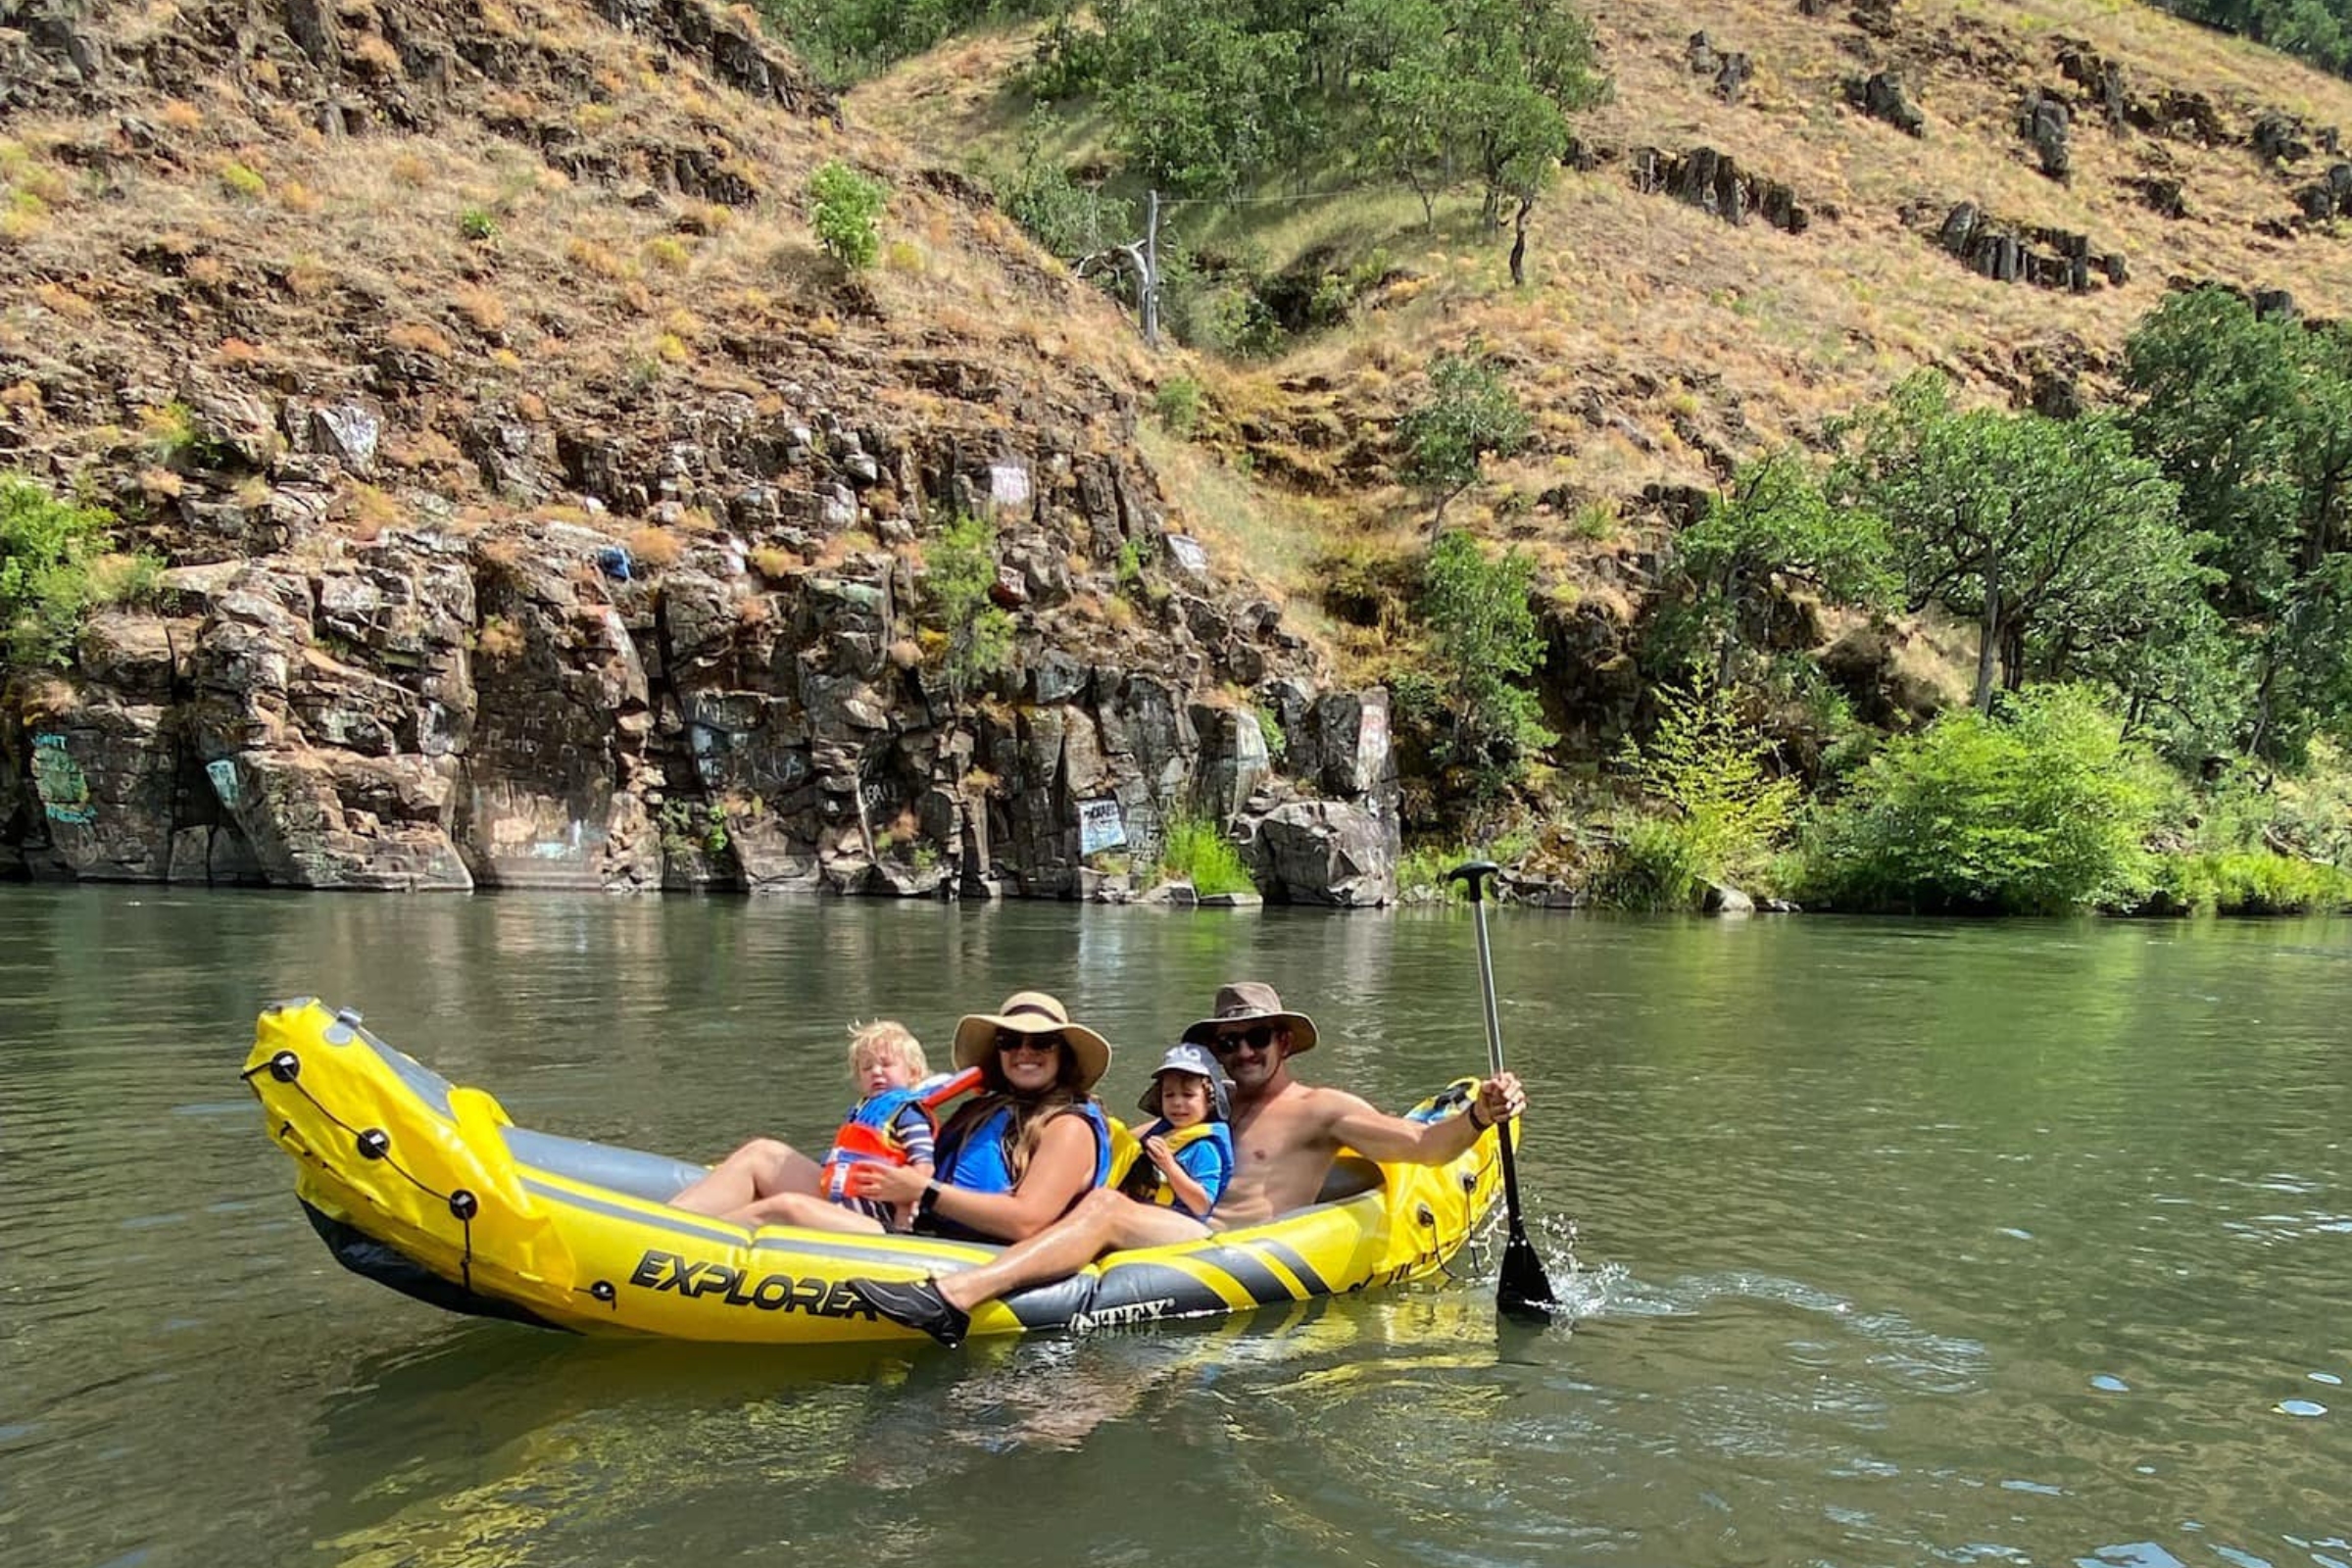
column 1286, row 1133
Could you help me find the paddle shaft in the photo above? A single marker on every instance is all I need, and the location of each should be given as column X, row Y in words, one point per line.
column 1502, row 1137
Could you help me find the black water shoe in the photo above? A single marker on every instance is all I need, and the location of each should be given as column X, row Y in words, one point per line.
column 916, row 1306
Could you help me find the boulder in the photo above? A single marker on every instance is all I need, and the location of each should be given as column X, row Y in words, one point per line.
column 2159, row 194
column 2042, row 120
column 1233, row 759
column 1881, row 96
column 1325, row 853
column 2102, row 78
column 2329, row 196
column 335, row 821
column 1722, row 898
column 2280, row 137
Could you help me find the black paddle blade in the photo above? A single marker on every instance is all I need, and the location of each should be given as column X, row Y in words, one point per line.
column 1525, row 1291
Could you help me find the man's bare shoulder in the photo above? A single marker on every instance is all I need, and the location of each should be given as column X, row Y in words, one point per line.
column 1321, row 1104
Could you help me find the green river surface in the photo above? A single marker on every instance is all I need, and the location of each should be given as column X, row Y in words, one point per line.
column 1889, row 1243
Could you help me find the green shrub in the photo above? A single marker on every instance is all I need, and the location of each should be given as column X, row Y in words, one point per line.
column 477, row 224
column 1241, row 324
column 1707, row 765
column 1073, row 221
column 2248, row 882
column 2042, row 811
column 1270, row 731
column 845, row 206
column 1425, row 865
column 1130, row 568
column 1484, row 641
column 1469, row 412
column 1178, row 404
column 959, row 573
column 1198, row 852
column 1656, row 866
column 54, row 570
column 242, row 182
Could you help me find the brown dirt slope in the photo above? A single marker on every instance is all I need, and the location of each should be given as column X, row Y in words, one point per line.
column 1659, row 342
column 544, row 244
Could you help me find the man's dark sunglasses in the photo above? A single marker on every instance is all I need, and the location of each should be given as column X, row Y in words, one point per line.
column 1257, row 1037
column 1010, row 1040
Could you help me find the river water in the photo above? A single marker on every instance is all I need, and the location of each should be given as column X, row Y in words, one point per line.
column 1890, row 1243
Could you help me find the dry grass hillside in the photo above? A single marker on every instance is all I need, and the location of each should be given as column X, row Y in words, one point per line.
column 1659, row 343
column 513, row 229
column 524, row 230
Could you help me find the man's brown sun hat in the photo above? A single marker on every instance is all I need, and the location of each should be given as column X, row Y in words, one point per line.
column 1248, row 1002
column 1032, row 1013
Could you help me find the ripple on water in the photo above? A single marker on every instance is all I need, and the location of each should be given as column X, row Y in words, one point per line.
column 2108, row 1383
column 2302, row 1407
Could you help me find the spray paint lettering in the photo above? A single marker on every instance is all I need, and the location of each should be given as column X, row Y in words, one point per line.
column 63, row 789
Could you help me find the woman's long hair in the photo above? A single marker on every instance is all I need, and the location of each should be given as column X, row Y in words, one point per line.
column 1029, row 1116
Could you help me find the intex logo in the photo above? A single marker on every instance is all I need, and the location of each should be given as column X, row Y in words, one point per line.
column 1112, row 1317
column 771, row 1292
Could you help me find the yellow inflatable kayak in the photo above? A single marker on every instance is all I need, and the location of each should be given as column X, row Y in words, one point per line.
column 428, row 1188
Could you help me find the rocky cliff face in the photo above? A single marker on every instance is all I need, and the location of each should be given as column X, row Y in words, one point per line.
column 546, row 513
column 528, row 706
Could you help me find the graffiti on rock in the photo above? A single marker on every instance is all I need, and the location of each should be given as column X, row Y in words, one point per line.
column 63, row 789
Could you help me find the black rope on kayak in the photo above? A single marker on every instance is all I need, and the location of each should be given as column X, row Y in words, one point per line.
column 374, row 1144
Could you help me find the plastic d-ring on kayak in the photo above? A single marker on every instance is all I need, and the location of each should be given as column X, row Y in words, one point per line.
column 429, row 1189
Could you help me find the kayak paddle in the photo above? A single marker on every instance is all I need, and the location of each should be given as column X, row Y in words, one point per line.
column 1524, row 1291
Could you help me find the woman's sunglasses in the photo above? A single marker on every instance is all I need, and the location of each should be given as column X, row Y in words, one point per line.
column 1007, row 1040
column 1256, row 1039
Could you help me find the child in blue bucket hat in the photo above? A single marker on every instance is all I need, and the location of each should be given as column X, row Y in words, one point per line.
column 1187, row 1154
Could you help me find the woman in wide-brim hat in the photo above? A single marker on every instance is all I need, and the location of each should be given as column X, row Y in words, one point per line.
column 1030, row 1144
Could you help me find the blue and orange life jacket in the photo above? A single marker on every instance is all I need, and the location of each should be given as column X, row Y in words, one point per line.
column 870, row 1137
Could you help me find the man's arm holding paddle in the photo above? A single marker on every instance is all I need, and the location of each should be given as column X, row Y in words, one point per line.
column 1377, row 1135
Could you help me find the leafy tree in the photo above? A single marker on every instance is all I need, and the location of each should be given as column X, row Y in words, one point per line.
column 1531, row 63
column 54, row 570
column 843, row 209
column 959, row 576
column 1467, row 414
column 1417, row 106
column 1485, row 642
column 1712, row 769
column 1772, row 524
column 1201, row 98
column 2039, row 529
column 2040, row 811
column 2253, row 419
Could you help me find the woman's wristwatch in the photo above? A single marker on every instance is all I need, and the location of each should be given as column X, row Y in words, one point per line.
column 927, row 1204
column 1476, row 1125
